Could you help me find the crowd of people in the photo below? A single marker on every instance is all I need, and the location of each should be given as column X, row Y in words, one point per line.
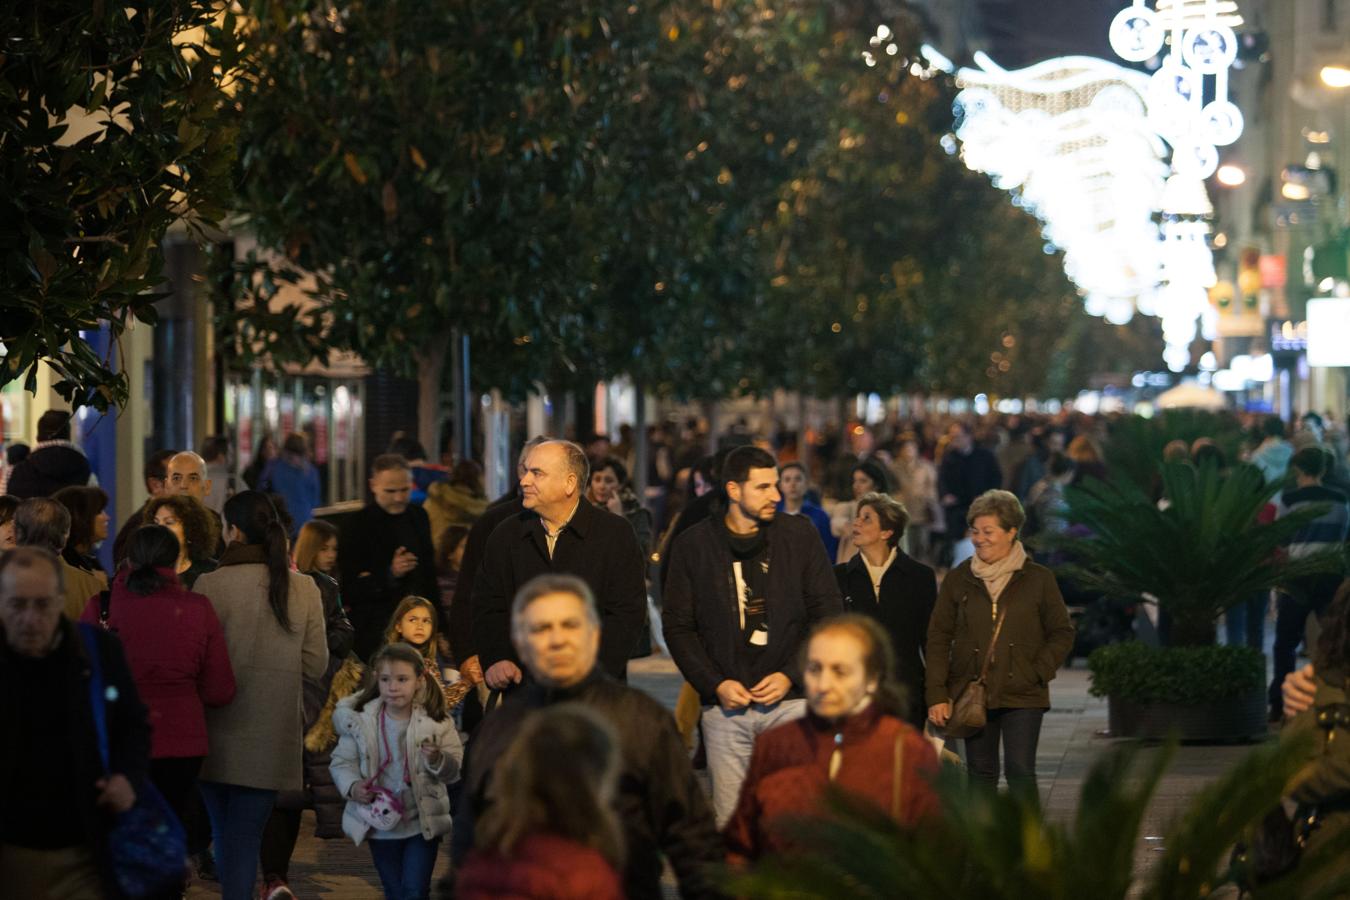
column 437, row 665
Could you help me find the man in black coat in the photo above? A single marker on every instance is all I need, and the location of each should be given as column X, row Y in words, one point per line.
column 967, row 471
column 60, row 803
column 557, row 635
column 904, row 601
column 744, row 589
column 385, row 554
column 559, row 531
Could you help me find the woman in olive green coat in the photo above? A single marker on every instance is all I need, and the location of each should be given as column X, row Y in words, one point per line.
column 1033, row 643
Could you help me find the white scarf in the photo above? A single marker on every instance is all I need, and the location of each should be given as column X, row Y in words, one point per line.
column 996, row 575
column 876, row 573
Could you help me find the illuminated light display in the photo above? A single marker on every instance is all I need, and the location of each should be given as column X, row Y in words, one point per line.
column 1113, row 160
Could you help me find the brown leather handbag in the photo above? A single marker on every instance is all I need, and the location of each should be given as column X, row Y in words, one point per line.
column 969, row 712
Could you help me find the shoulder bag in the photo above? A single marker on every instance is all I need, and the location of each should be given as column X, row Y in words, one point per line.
column 147, row 845
column 969, row 712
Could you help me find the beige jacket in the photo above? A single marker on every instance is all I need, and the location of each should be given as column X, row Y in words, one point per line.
column 256, row 740
column 80, row 586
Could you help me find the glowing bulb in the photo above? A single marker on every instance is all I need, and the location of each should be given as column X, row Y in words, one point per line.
column 1336, row 76
column 1231, row 176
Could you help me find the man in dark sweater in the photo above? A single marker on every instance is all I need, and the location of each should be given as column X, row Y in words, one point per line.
column 558, row 531
column 744, row 589
column 59, row 800
column 556, row 631
column 385, row 553
column 54, row 462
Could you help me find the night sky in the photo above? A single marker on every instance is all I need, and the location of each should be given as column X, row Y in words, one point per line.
column 1022, row 32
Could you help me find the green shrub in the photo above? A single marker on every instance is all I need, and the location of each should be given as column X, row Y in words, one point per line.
column 1184, row 675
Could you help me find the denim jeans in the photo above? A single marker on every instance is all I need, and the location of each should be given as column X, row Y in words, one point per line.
column 729, row 737
column 1020, row 731
column 1245, row 621
column 404, row 866
column 237, row 815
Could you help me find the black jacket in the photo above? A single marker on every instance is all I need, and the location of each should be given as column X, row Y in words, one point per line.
column 366, row 548
column 702, row 614
column 460, row 627
column 596, row 546
column 48, row 469
column 660, row 804
column 908, row 592
column 80, row 764
column 965, row 478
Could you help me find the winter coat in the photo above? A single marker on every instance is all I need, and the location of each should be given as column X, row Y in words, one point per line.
column 701, row 615
column 597, row 546
column 175, row 647
column 966, row 477
column 51, row 466
column 450, row 504
column 541, row 867
column 790, row 772
column 908, row 592
column 78, row 762
column 297, row 481
column 370, row 592
column 1036, row 638
column 320, row 794
column 661, row 807
column 359, row 752
column 1324, row 781
column 81, row 584
column 255, row 741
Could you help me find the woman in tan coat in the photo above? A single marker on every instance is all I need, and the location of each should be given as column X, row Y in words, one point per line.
column 274, row 630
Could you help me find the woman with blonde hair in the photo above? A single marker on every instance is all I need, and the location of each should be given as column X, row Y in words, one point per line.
column 551, row 832
column 1001, row 614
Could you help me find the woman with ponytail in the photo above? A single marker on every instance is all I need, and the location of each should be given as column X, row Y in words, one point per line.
column 175, row 647
column 274, row 629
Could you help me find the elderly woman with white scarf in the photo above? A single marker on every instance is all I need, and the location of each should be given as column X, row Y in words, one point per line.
column 1036, row 636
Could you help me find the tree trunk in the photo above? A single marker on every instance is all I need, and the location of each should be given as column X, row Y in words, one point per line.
column 642, row 449
column 430, row 365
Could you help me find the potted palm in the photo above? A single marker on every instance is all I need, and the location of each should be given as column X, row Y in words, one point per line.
column 1196, row 554
column 993, row 846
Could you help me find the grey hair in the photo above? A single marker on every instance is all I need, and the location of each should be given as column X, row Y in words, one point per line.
column 576, row 461
column 29, row 557
column 530, row 445
column 1002, row 505
column 542, row 586
column 42, row 522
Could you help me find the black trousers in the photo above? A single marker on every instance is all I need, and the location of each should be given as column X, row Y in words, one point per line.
column 1019, row 730
column 176, row 779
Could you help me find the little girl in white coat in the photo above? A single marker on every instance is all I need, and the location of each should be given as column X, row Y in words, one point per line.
column 397, row 747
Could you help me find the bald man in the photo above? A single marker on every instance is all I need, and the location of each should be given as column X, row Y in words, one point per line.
column 187, row 475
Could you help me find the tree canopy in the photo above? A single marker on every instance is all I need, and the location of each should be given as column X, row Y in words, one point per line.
column 111, row 133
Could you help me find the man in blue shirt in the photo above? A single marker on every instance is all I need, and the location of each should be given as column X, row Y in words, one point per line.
column 792, row 485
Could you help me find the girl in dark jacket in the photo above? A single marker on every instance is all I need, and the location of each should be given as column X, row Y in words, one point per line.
column 884, row 582
column 551, row 832
column 175, row 647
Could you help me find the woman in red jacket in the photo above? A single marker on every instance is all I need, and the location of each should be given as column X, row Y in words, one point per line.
column 853, row 736
column 551, row 832
column 175, row 647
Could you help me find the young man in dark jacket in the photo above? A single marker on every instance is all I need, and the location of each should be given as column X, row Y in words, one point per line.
column 555, row 627
column 60, row 803
column 385, row 554
column 744, row 588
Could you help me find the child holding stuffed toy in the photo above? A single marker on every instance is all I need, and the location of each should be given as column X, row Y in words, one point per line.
column 397, row 750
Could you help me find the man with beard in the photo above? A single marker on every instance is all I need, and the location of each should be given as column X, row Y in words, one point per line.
column 743, row 591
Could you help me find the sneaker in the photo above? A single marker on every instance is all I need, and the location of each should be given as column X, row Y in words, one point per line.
column 276, row 889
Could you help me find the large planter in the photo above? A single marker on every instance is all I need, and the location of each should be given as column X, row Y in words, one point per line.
column 1233, row 719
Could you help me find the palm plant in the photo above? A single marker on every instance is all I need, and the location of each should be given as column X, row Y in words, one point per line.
column 1200, row 554
column 993, row 846
column 1135, row 448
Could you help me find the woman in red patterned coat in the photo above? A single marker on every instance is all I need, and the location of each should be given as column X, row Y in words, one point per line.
column 853, row 737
